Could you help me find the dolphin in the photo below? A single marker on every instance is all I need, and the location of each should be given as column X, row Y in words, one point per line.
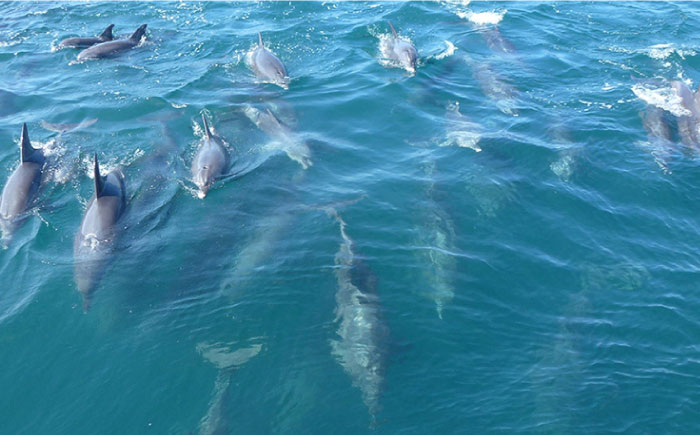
column 688, row 124
column 660, row 143
column 210, row 162
column 95, row 240
column 88, row 42
column 110, row 48
column 461, row 131
column 502, row 93
column 436, row 237
column 268, row 67
column 361, row 330
column 22, row 186
column 402, row 51
column 283, row 137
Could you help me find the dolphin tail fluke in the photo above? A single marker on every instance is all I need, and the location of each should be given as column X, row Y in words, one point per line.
column 393, row 31
column 206, row 126
column 223, row 358
column 27, row 149
column 87, row 303
column 65, row 128
column 260, row 40
column 99, row 183
column 136, row 36
column 107, row 34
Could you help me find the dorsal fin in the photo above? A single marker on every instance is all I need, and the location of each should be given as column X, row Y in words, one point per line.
column 392, row 29
column 99, row 182
column 206, row 126
column 136, row 36
column 26, row 145
column 107, row 34
column 260, row 41
column 272, row 115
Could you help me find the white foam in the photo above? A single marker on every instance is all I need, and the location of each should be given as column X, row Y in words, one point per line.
column 449, row 51
column 665, row 98
column 663, row 51
column 482, row 18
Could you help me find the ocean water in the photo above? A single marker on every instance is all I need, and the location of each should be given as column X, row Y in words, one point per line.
column 493, row 243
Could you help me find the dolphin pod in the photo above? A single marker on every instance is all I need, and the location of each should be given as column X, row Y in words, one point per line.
column 358, row 344
column 88, row 42
column 21, row 187
column 95, row 240
column 111, row 48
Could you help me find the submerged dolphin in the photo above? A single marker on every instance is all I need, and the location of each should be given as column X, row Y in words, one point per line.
column 284, row 138
column 660, row 143
column 88, row 42
column 402, row 51
column 210, row 162
column 460, row 130
column 436, row 238
column 96, row 237
column 268, row 67
column 22, row 186
column 688, row 124
column 502, row 93
column 111, row 48
column 358, row 347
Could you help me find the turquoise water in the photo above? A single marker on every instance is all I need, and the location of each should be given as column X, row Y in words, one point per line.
column 548, row 283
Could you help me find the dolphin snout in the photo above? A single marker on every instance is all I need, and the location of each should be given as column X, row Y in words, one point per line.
column 204, row 180
column 409, row 59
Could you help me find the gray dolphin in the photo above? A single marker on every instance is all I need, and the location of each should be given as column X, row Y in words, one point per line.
column 495, row 87
column 110, row 48
column 361, row 330
column 688, row 124
column 660, row 143
column 21, row 187
column 283, row 137
column 435, row 242
column 402, row 51
column 210, row 162
column 88, row 42
column 268, row 67
column 94, row 241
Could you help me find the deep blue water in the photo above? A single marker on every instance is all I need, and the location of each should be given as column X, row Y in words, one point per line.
column 547, row 283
